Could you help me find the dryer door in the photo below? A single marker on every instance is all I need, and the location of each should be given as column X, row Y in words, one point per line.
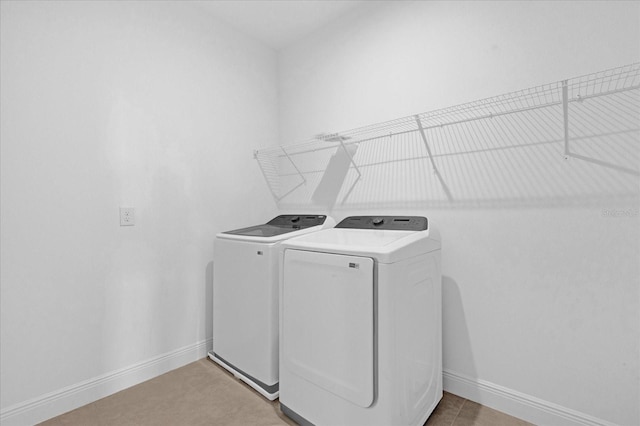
column 328, row 322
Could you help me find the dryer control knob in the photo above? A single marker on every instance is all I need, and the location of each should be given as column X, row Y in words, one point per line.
column 295, row 219
column 377, row 221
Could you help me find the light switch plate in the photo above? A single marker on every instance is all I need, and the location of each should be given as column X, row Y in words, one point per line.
column 127, row 216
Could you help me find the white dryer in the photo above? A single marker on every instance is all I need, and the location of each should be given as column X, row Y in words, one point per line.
column 245, row 298
column 360, row 323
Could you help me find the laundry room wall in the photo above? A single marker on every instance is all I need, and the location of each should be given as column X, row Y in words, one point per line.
column 155, row 106
column 541, row 302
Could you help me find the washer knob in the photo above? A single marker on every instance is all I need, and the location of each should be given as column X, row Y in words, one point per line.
column 295, row 219
column 377, row 221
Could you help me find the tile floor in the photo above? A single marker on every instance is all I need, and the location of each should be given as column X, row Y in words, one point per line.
column 202, row 393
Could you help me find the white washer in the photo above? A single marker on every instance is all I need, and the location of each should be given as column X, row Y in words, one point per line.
column 245, row 298
column 360, row 323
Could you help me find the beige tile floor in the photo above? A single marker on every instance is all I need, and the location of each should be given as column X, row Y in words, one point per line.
column 202, row 393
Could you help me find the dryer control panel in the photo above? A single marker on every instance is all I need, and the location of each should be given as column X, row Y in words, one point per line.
column 395, row 223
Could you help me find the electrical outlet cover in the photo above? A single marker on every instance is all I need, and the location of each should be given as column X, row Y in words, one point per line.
column 127, row 216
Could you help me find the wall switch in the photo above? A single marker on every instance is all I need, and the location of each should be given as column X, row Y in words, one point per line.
column 127, row 216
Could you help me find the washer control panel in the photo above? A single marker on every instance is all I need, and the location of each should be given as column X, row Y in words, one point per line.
column 397, row 223
column 297, row 220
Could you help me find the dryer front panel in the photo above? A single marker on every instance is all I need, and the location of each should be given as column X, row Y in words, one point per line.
column 328, row 322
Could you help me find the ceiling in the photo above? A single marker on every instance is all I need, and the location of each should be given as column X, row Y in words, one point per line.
column 278, row 23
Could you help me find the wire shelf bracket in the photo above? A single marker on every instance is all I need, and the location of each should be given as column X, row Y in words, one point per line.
column 433, row 163
column 335, row 137
column 304, row 181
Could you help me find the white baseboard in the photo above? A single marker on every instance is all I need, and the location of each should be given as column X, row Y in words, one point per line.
column 517, row 404
column 508, row 401
column 71, row 397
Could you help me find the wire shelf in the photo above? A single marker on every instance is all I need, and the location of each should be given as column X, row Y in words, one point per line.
column 568, row 141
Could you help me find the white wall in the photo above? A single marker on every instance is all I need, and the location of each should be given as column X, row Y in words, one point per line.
column 105, row 104
column 541, row 303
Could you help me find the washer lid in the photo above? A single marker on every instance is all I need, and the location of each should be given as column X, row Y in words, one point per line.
column 278, row 226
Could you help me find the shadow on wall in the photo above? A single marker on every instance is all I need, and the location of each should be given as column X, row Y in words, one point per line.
column 574, row 142
column 455, row 351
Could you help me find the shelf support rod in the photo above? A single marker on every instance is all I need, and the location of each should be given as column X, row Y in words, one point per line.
column 294, row 165
column 433, row 163
column 565, row 111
